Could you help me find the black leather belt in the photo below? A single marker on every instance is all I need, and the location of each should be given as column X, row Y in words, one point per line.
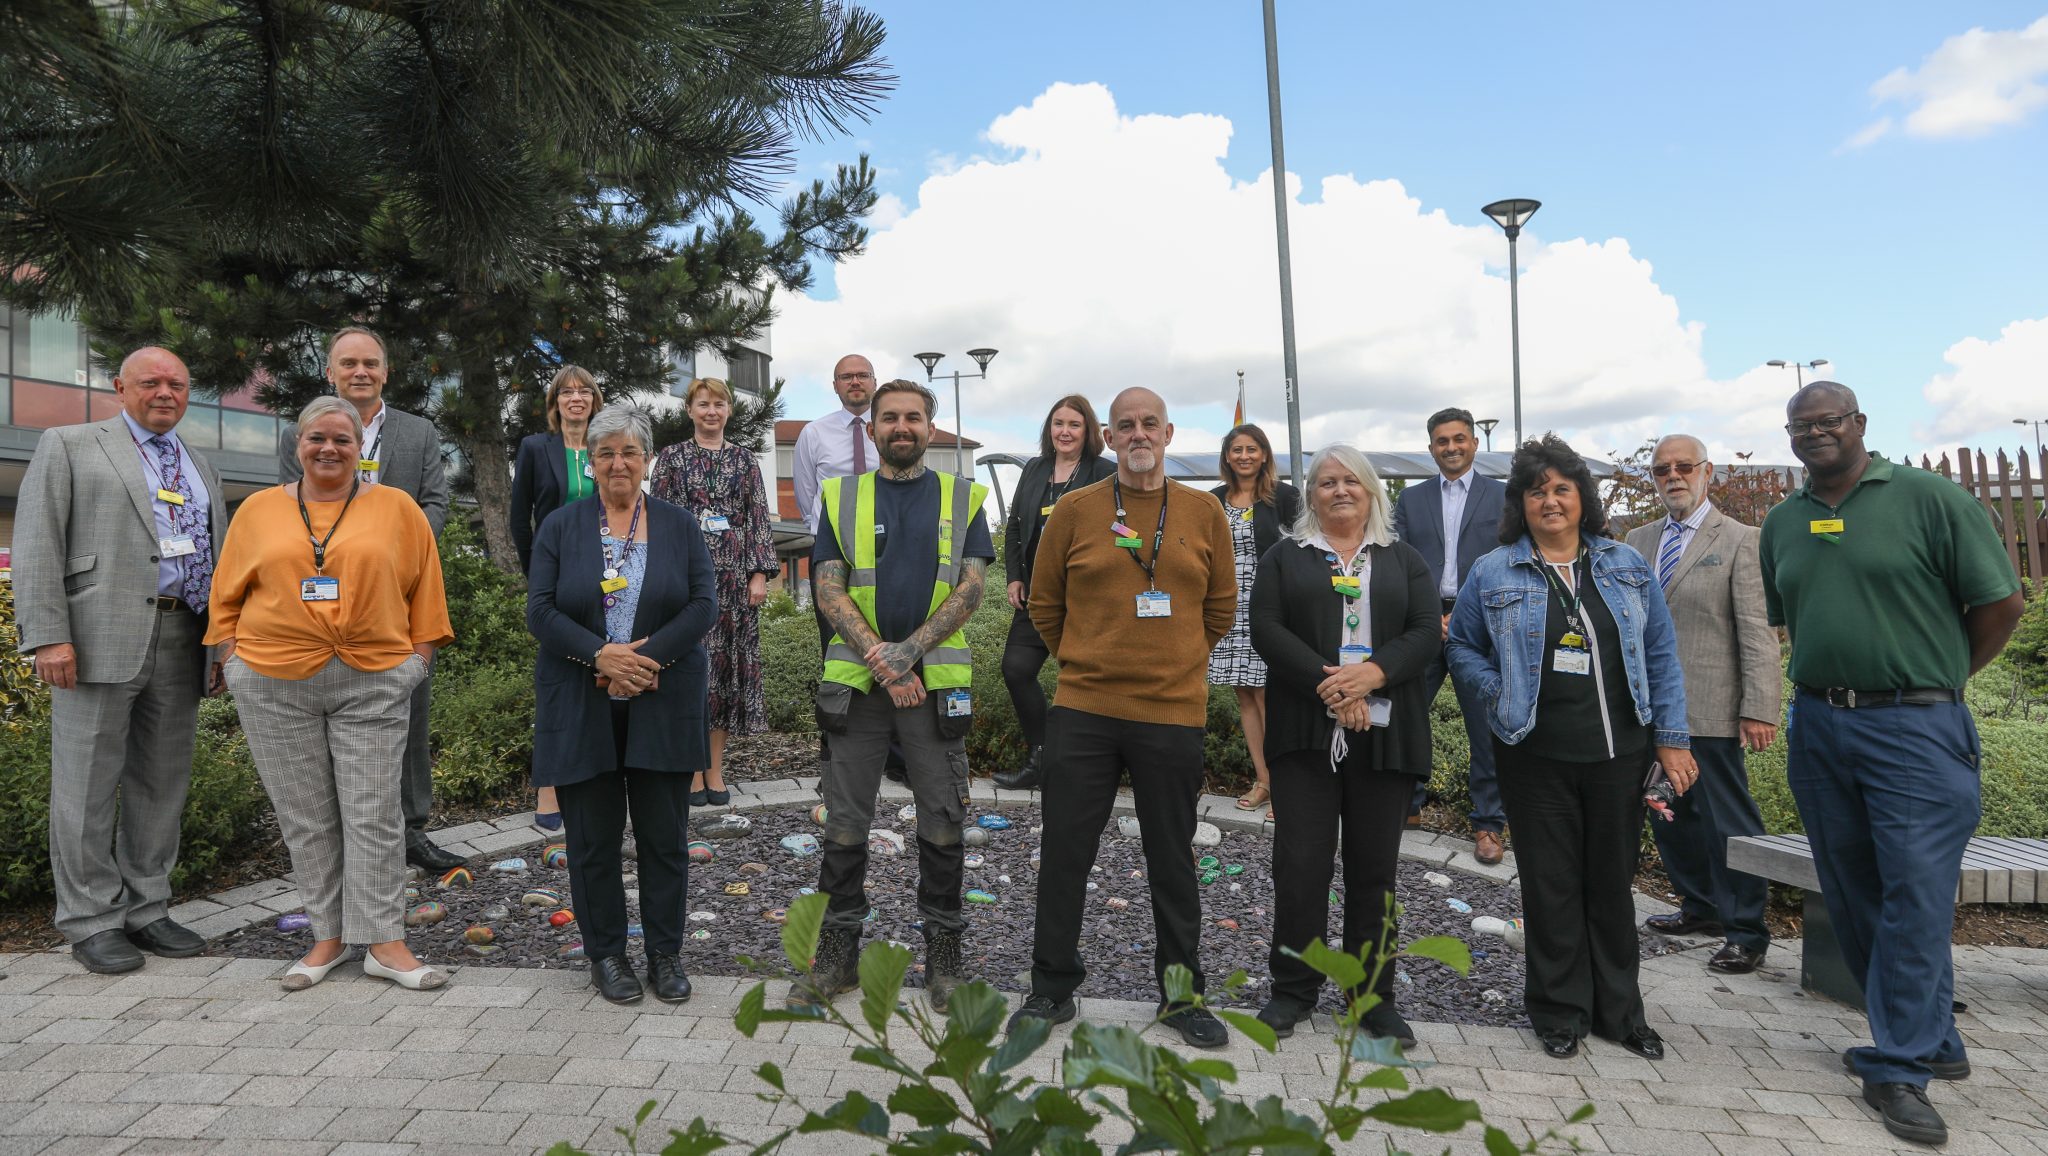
column 164, row 603
column 1863, row 699
column 1449, row 604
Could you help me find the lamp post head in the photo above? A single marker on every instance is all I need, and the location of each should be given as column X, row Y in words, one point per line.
column 982, row 357
column 1778, row 364
column 1817, row 362
column 930, row 361
column 1486, row 424
column 1512, row 214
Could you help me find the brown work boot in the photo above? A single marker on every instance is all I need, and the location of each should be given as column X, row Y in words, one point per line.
column 1487, row 847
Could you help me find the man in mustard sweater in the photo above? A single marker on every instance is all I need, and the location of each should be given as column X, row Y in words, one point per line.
column 1133, row 584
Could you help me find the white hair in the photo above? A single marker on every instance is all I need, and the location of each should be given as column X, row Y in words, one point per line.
column 613, row 420
column 326, row 404
column 1379, row 516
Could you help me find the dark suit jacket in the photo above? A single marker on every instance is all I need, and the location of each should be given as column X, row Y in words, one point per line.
column 666, row 727
column 540, row 483
column 409, row 459
column 1034, row 486
column 1295, row 628
column 1419, row 521
column 1270, row 520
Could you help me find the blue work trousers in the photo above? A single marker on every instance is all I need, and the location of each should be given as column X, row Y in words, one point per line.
column 1488, row 814
column 1889, row 796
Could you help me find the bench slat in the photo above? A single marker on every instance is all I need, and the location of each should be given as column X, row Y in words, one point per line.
column 2001, row 871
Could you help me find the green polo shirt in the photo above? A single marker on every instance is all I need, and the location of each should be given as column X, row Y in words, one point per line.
column 1879, row 606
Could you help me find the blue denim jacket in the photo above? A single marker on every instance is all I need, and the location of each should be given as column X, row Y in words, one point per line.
column 1496, row 637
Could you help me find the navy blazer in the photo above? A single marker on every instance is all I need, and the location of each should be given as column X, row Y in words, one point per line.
column 1270, row 519
column 667, row 728
column 1419, row 521
column 540, row 484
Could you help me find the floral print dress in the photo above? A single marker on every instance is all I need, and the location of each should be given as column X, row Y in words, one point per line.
column 727, row 482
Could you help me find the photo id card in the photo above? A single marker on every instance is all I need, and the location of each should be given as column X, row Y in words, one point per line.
column 1570, row 660
column 1353, row 654
column 1155, row 604
column 714, row 523
column 320, row 588
column 177, row 546
column 959, row 704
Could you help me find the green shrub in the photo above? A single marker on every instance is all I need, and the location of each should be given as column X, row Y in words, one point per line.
column 486, row 608
column 2027, row 652
column 481, row 721
column 789, row 672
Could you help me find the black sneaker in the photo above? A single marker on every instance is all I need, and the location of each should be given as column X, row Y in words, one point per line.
column 1282, row 1012
column 1197, row 1028
column 1042, row 1007
column 1943, row 1070
column 1906, row 1112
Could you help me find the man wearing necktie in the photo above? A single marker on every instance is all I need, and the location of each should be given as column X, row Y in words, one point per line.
column 835, row 446
column 118, row 529
column 1707, row 563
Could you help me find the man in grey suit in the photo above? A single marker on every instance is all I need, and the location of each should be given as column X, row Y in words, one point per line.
column 119, row 526
column 1453, row 519
column 1707, row 563
column 403, row 451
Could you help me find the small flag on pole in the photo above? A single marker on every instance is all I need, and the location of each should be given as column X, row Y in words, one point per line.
column 1238, row 418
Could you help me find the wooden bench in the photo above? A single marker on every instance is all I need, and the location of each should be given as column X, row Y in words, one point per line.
column 1994, row 871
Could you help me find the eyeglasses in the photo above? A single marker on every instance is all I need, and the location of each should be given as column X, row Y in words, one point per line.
column 1828, row 424
column 853, row 377
column 1684, row 469
column 607, row 457
column 574, row 393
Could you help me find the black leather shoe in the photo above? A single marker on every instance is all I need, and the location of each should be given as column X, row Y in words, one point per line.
column 1024, row 778
column 1735, row 959
column 1679, row 923
column 1042, row 1007
column 1645, row 1042
column 1906, row 1112
column 1559, row 1045
column 613, row 978
column 665, row 976
column 1197, row 1028
column 1282, row 1012
column 1383, row 1021
column 107, row 953
column 168, row 939
column 1943, row 1070
column 421, row 852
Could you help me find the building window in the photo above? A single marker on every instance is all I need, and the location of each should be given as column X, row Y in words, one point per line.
column 749, row 368
column 685, row 367
column 49, row 349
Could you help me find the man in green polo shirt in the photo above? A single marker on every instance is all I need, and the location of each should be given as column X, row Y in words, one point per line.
column 1894, row 589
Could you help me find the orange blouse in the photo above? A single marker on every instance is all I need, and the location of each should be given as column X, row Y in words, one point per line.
column 383, row 556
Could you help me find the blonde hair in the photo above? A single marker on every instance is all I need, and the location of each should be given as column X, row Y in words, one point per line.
column 1379, row 515
column 707, row 385
column 570, row 375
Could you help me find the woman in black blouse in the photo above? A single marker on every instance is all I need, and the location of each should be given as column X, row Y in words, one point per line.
column 1346, row 621
column 1069, row 457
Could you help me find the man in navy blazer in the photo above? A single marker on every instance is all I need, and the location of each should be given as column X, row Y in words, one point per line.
column 1470, row 506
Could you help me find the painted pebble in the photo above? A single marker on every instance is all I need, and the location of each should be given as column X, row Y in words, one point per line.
column 700, row 851
column 296, row 921
column 700, row 933
column 737, row 888
column 1116, row 903
column 979, row 896
column 993, row 823
column 509, row 866
column 562, row 918
column 703, row 916
column 1207, row 835
column 974, row 837
column 778, row 915
column 478, row 935
column 555, row 855
column 800, row 844
column 457, row 877
column 820, row 813
column 753, row 868
column 495, row 912
column 542, row 897
column 480, row 950
column 886, row 843
column 730, row 825
column 1127, row 826
column 972, row 861
column 571, row 951
column 426, row 913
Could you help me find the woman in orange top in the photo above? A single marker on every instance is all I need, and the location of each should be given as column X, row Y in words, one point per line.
column 327, row 605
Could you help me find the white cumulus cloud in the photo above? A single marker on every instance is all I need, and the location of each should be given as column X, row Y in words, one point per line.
column 1972, row 84
column 1099, row 250
column 1989, row 385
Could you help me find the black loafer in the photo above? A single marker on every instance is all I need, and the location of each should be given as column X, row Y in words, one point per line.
column 1735, row 959
column 1559, row 1045
column 1679, row 923
column 1282, row 1012
column 1645, row 1042
column 421, row 852
column 1386, row 1023
column 1042, row 1007
column 613, row 978
column 1942, row 1069
column 107, row 953
column 168, row 939
column 1197, row 1028
column 665, row 975
column 1906, row 1112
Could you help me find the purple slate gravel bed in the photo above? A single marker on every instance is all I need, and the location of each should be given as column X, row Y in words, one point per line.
column 1117, row 945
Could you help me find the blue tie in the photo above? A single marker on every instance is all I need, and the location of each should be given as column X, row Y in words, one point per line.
column 1667, row 557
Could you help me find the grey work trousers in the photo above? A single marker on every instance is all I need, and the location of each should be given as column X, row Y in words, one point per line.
column 938, row 781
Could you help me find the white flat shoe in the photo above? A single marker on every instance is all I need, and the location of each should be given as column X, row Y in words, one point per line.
column 302, row 975
column 421, row 978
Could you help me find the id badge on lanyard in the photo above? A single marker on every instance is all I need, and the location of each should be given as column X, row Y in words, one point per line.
column 1155, row 604
column 1573, row 656
column 714, row 523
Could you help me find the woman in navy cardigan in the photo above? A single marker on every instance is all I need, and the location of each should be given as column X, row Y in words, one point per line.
column 620, row 596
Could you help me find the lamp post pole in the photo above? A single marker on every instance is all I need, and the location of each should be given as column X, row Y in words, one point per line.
column 2036, row 423
column 981, row 358
column 1287, row 357
column 1510, row 215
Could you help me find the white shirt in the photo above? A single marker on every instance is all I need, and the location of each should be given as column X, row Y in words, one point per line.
column 373, row 445
column 1684, row 530
column 1455, row 491
column 825, row 450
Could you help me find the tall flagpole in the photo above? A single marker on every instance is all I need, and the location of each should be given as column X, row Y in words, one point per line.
column 1286, row 263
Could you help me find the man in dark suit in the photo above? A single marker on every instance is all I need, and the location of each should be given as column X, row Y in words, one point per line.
column 118, row 530
column 1453, row 520
column 403, row 451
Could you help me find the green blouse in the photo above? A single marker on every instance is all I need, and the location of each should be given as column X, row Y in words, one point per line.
column 581, row 483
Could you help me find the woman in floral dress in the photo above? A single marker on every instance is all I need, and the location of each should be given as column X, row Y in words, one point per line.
column 722, row 485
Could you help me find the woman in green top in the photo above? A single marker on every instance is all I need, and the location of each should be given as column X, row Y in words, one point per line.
column 553, row 470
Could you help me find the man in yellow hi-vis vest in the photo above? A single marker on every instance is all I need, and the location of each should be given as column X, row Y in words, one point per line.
column 899, row 561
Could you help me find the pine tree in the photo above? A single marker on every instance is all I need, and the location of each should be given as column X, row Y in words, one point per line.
column 498, row 187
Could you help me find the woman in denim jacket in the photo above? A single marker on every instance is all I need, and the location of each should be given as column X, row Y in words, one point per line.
column 1565, row 634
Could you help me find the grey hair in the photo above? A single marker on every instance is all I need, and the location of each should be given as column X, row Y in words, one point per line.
column 613, row 420
column 326, row 404
column 1379, row 516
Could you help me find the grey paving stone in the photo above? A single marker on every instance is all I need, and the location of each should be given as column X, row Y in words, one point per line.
column 182, row 1088
column 435, row 1128
column 62, row 1119
column 250, row 892
column 196, row 910
column 450, row 835
column 502, row 842
column 368, row 1124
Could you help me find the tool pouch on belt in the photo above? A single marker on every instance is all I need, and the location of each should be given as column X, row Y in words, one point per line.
column 835, row 700
column 955, row 712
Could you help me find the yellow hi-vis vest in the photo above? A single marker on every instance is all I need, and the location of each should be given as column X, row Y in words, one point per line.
column 949, row 664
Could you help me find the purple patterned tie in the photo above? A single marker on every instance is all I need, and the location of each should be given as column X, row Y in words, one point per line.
column 187, row 519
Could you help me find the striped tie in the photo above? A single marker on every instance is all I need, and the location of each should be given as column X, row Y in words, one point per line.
column 1667, row 557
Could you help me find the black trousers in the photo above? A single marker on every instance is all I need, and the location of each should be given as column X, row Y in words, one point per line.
column 1024, row 655
column 1578, row 829
column 1085, row 757
column 1310, row 804
column 1695, row 845
column 594, row 821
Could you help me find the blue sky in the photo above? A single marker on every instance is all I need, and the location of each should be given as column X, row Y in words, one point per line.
column 1715, row 141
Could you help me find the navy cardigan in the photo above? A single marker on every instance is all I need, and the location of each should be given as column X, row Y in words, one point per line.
column 667, row 728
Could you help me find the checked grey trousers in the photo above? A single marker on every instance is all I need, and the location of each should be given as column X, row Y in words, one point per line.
column 132, row 740
column 330, row 751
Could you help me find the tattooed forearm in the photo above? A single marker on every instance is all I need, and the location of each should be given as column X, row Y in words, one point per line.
column 839, row 610
column 954, row 612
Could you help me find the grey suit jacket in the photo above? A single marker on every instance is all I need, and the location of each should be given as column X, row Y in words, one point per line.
column 410, row 458
column 1419, row 521
column 1726, row 647
column 85, row 561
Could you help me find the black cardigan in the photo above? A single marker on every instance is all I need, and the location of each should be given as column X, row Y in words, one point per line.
column 540, row 484
column 1270, row 519
column 1034, row 486
column 1294, row 627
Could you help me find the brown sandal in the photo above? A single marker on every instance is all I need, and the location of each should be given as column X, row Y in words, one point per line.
column 1250, row 800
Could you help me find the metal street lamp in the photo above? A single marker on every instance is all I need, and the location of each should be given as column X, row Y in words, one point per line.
column 981, row 358
column 1511, row 215
column 1799, row 368
column 2036, row 423
column 1288, row 362
column 1486, row 425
